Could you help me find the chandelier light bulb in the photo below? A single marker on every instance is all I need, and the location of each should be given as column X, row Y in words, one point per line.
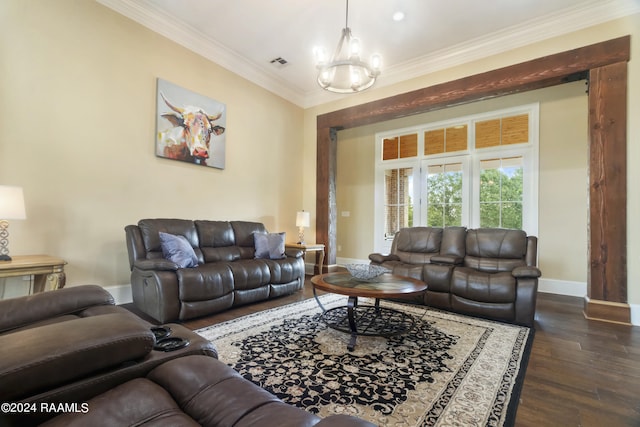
column 320, row 55
column 376, row 62
column 355, row 78
column 354, row 48
column 345, row 72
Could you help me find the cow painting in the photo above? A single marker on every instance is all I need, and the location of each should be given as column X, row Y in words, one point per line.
column 188, row 133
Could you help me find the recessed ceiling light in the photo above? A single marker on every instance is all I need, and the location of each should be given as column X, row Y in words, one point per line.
column 398, row 16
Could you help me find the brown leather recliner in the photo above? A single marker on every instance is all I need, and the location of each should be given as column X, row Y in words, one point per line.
column 73, row 343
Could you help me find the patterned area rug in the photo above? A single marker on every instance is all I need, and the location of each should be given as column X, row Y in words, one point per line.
column 450, row 370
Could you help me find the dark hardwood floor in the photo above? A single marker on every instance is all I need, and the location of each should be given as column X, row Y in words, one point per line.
column 580, row 372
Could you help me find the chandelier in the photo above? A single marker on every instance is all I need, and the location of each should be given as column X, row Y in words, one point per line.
column 345, row 72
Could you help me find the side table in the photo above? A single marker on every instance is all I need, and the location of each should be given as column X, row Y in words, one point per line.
column 318, row 248
column 44, row 268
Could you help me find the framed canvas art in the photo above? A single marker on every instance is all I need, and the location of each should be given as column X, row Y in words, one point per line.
column 189, row 127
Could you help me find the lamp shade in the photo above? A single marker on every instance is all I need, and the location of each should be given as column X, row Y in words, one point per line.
column 12, row 203
column 303, row 219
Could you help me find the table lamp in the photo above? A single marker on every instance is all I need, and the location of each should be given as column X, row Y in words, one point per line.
column 302, row 221
column 11, row 207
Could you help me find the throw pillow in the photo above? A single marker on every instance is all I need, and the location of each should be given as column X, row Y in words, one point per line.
column 178, row 249
column 269, row 245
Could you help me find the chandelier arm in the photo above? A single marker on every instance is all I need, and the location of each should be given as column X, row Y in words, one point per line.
column 346, row 19
column 344, row 35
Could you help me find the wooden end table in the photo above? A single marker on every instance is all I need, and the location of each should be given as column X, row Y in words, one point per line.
column 318, row 248
column 367, row 320
column 44, row 268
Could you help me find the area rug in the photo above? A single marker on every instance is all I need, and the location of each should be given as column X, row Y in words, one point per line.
column 450, row 370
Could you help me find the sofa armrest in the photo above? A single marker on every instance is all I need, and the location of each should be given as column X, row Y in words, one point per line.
column 293, row 253
column 380, row 258
column 526, row 272
column 41, row 358
column 160, row 264
column 447, row 259
column 22, row 311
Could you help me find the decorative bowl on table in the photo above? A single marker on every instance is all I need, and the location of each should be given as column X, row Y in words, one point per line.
column 366, row 271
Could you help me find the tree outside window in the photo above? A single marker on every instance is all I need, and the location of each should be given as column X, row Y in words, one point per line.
column 501, row 190
column 444, row 195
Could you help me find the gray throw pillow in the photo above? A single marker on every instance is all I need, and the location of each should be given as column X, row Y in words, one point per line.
column 178, row 249
column 269, row 245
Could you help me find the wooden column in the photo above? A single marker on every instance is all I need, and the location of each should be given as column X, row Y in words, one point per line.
column 607, row 291
column 326, row 206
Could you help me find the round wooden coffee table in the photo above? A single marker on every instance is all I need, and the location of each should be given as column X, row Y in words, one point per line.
column 365, row 319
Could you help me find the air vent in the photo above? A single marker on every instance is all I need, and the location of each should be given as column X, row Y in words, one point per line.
column 279, row 62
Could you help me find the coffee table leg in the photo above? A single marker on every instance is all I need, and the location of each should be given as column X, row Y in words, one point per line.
column 315, row 295
column 351, row 305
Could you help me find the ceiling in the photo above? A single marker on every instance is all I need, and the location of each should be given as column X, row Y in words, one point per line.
column 245, row 36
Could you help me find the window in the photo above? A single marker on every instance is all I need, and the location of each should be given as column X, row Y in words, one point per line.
column 398, row 186
column 444, row 195
column 501, row 188
column 474, row 171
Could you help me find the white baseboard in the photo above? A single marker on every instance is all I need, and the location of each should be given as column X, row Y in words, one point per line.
column 121, row 293
column 635, row 314
column 562, row 287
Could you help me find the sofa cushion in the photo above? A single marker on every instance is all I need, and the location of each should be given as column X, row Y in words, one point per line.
column 483, row 287
column 68, row 303
column 419, row 239
column 495, row 249
column 217, row 241
column 150, row 229
column 205, row 282
column 153, row 406
column 269, row 245
column 216, row 395
column 177, row 249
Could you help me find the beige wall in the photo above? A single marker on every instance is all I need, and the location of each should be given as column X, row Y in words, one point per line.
column 565, row 165
column 77, row 113
column 563, row 177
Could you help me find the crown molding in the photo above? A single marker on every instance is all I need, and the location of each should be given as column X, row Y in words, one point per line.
column 148, row 15
column 536, row 30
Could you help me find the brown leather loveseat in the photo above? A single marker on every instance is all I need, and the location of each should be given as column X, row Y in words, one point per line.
column 486, row 272
column 227, row 274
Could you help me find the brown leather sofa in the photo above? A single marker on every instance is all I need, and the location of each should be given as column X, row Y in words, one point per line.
column 72, row 358
column 486, row 272
column 228, row 273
